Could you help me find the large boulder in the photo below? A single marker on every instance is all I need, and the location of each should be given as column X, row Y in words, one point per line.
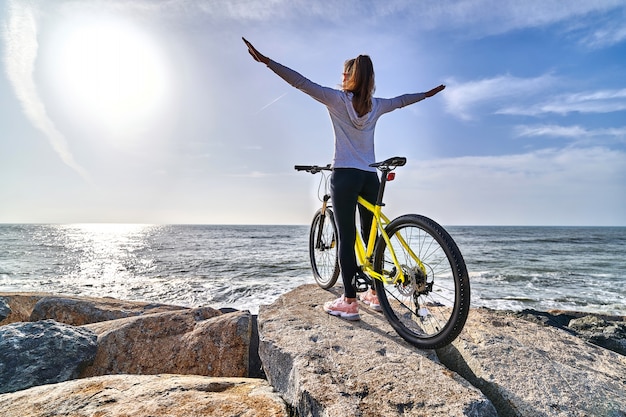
column 18, row 306
column 147, row 396
column 528, row 369
column 44, row 352
column 200, row 341
column 71, row 309
column 325, row 366
column 84, row 310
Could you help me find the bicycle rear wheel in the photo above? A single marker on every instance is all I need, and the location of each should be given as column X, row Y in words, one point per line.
column 430, row 307
column 323, row 249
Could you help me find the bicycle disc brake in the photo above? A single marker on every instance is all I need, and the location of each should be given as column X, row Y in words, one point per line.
column 415, row 282
column 415, row 285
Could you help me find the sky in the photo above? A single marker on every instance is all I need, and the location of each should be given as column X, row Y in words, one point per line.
column 148, row 111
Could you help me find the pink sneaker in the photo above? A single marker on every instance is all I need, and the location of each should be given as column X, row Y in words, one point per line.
column 340, row 307
column 371, row 299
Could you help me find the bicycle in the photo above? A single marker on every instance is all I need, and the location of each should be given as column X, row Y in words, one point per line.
column 414, row 265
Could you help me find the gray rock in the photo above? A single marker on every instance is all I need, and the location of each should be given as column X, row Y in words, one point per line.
column 325, row 366
column 608, row 334
column 44, row 352
column 600, row 329
column 529, row 369
column 5, row 310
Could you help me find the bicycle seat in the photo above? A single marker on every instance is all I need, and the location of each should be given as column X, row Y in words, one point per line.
column 391, row 163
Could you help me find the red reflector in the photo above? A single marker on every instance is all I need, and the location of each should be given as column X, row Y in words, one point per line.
column 391, row 176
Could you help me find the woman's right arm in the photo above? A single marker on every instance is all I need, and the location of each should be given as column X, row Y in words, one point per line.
column 258, row 57
column 295, row 79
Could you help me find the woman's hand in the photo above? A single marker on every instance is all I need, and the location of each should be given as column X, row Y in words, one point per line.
column 259, row 57
column 434, row 90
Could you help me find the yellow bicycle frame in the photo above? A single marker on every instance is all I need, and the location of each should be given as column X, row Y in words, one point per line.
column 364, row 253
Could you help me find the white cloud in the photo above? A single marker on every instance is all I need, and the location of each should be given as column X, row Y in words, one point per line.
column 553, row 186
column 20, row 56
column 606, row 36
column 472, row 17
column 465, row 99
column 551, row 130
column 480, row 18
column 575, row 132
column 495, row 95
column 604, row 101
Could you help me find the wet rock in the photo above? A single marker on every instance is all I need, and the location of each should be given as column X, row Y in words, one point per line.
column 44, row 352
column 147, row 396
column 530, row 369
column 199, row 341
column 325, row 366
column 608, row 334
column 5, row 310
column 600, row 329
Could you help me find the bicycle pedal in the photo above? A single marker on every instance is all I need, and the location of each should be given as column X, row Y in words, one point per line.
column 361, row 282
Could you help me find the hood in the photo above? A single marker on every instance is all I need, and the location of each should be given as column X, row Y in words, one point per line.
column 360, row 122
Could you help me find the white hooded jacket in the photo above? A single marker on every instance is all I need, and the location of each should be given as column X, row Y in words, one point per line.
column 354, row 135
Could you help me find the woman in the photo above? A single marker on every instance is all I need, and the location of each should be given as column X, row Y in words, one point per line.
column 353, row 112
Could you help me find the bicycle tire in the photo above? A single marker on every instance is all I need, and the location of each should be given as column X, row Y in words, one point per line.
column 323, row 239
column 427, row 310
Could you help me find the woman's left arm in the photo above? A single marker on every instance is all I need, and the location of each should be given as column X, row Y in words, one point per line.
column 390, row 104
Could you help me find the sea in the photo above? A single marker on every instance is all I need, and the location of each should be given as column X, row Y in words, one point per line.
column 244, row 266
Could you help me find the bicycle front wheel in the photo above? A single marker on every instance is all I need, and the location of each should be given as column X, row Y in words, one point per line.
column 430, row 307
column 323, row 249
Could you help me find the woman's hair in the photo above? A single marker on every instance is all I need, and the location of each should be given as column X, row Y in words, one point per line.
column 360, row 82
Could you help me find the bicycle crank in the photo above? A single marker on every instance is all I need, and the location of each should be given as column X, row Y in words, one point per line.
column 361, row 282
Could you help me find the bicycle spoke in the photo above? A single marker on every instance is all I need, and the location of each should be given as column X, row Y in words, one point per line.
column 424, row 306
column 323, row 249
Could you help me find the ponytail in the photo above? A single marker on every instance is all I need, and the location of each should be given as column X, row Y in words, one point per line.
column 361, row 84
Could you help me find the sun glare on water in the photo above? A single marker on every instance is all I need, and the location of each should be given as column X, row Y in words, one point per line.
column 109, row 72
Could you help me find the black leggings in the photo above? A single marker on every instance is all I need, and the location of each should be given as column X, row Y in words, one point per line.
column 346, row 185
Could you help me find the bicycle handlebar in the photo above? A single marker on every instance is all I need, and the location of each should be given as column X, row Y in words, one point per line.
column 313, row 169
column 386, row 165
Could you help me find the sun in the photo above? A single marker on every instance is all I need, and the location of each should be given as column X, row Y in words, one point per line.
column 108, row 72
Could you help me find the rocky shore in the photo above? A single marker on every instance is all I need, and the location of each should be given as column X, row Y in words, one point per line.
column 80, row 356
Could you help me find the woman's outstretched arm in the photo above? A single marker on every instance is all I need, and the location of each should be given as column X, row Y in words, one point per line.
column 259, row 57
column 324, row 95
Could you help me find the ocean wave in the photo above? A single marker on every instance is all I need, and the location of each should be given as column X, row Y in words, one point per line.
column 246, row 266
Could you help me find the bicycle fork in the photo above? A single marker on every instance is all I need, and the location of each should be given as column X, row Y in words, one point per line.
column 319, row 244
